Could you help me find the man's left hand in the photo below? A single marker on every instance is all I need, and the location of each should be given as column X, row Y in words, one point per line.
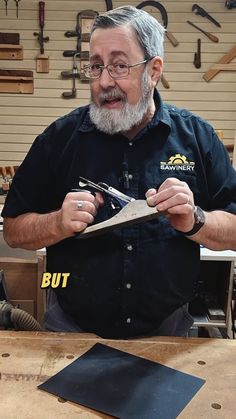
column 176, row 200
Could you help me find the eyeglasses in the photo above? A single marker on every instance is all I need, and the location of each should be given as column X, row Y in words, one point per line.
column 116, row 71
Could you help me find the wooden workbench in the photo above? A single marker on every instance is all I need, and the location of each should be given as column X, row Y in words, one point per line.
column 29, row 358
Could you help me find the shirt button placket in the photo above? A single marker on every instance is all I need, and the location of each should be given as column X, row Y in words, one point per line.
column 128, row 276
column 129, row 243
column 129, row 247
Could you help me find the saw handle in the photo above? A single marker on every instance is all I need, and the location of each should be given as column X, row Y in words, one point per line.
column 41, row 13
column 165, row 83
column 172, row 39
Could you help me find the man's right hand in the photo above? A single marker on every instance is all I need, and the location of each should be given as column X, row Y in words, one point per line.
column 33, row 231
column 77, row 211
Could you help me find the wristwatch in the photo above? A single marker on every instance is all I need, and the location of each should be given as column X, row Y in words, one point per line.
column 199, row 218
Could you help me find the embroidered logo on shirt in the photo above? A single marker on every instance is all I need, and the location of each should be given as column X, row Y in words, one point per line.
column 177, row 162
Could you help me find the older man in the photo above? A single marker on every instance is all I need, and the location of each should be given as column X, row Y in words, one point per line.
column 137, row 280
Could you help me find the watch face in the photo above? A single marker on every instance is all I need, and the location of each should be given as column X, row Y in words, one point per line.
column 199, row 216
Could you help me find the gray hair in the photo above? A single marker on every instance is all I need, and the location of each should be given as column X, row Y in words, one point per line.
column 149, row 32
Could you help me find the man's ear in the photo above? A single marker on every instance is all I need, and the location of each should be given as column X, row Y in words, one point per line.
column 156, row 67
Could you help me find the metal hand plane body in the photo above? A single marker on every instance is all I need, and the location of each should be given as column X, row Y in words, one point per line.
column 106, row 190
column 131, row 210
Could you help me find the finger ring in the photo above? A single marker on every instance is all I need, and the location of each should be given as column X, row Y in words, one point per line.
column 79, row 204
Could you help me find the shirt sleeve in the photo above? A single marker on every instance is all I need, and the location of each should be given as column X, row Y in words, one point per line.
column 40, row 184
column 32, row 184
column 221, row 177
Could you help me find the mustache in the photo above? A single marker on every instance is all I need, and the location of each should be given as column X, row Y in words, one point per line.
column 114, row 94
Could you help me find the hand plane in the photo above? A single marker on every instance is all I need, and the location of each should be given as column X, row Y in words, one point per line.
column 133, row 211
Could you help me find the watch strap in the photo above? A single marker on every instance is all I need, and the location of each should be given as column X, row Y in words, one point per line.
column 199, row 217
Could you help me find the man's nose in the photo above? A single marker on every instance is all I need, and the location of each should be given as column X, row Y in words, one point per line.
column 106, row 80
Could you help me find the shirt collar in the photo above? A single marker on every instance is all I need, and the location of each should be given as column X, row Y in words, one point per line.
column 161, row 115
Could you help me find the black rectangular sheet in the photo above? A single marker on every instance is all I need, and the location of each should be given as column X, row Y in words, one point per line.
column 123, row 385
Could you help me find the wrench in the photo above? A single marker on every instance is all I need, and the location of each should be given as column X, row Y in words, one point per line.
column 202, row 12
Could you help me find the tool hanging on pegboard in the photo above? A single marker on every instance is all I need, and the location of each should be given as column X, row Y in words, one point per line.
column 169, row 35
column 109, row 4
column 84, row 22
column 6, row 7
column 42, row 60
column 209, row 35
column 222, row 64
column 197, row 55
column 10, row 48
column 16, row 81
column 202, row 12
column 74, row 75
column 17, row 8
column 164, row 17
column 230, row 4
column 7, row 173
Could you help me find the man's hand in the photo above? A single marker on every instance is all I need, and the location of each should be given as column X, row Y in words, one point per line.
column 77, row 211
column 33, row 231
column 175, row 199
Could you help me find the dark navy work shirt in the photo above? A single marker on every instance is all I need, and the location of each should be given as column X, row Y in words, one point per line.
column 125, row 283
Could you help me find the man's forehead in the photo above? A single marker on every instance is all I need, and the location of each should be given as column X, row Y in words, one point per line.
column 113, row 41
column 112, row 54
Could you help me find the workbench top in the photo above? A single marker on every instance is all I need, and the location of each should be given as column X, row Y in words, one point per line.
column 29, row 358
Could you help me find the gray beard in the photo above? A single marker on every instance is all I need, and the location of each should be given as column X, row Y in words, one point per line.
column 112, row 121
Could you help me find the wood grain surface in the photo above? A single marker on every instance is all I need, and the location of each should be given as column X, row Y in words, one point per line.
column 29, row 358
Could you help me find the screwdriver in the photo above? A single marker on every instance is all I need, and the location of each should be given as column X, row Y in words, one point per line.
column 209, row 35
